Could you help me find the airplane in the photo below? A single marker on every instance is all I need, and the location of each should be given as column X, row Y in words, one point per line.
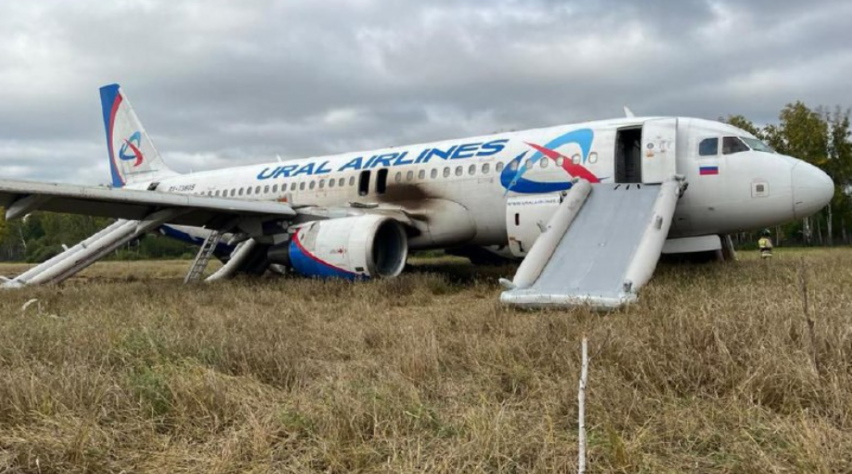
column 358, row 215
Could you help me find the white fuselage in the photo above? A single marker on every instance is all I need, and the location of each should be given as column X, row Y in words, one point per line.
column 462, row 185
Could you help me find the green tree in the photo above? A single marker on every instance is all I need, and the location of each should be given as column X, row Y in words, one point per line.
column 803, row 133
column 839, row 167
column 2, row 225
column 740, row 121
column 41, row 235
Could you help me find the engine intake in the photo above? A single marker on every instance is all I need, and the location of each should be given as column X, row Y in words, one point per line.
column 368, row 246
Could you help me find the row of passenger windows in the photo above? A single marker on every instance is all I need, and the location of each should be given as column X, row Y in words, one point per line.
column 382, row 174
column 409, row 175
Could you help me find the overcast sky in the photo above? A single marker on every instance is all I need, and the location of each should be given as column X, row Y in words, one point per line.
column 221, row 83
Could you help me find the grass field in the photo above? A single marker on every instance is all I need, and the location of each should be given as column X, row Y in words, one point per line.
column 715, row 370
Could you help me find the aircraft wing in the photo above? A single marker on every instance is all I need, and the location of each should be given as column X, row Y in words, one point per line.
column 22, row 197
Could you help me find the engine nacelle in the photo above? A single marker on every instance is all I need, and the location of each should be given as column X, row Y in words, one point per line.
column 367, row 246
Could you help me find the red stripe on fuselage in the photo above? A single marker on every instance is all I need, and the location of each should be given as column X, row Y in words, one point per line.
column 574, row 170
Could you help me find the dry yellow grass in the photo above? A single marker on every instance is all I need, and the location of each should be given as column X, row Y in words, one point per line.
column 125, row 369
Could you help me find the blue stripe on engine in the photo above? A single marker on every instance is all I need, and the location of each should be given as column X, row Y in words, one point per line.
column 308, row 265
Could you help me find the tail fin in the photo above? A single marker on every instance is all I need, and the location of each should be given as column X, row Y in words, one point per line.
column 132, row 156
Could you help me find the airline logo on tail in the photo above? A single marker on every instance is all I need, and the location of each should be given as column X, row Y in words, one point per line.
column 133, row 143
column 513, row 179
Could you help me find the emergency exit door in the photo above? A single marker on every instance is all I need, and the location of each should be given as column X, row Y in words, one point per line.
column 659, row 150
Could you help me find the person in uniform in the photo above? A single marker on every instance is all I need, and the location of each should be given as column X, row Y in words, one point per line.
column 765, row 245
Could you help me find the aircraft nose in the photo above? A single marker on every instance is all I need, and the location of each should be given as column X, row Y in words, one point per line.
column 812, row 189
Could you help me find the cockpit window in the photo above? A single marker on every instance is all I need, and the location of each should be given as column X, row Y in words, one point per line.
column 708, row 147
column 731, row 145
column 757, row 145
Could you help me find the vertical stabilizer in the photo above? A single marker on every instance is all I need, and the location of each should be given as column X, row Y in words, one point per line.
column 132, row 156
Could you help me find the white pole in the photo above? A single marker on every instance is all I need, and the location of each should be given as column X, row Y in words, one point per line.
column 581, row 402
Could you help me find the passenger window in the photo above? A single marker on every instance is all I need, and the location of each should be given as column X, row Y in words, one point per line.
column 351, row 181
column 409, row 176
column 293, row 186
column 471, row 170
column 459, row 170
column 248, row 192
column 485, row 168
column 434, row 173
column 257, row 190
column 529, row 164
column 275, row 188
column 447, row 172
column 341, row 182
column 233, row 192
column 398, row 177
column 543, row 162
column 321, row 183
column 331, row 183
column 217, row 194
column 514, row 165
column 421, row 175
column 312, row 185
column 731, row 145
column 560, row 161
column 240, row 192
column 498, row 167
column 708, row 147
column 302, row 186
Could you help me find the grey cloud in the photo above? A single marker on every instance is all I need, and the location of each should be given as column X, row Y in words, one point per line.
column 222, row 83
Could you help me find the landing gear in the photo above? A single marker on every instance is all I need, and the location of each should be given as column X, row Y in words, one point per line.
column 727, row 253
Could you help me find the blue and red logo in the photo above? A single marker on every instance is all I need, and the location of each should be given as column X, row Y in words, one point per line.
column 132, row 144
column 513, row 179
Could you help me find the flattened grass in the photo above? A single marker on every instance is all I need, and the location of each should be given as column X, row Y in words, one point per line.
column 124, row 368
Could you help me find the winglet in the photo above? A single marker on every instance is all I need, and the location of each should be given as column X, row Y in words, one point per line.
column 628, row 113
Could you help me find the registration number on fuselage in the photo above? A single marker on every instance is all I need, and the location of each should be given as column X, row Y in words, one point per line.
column 183, row 188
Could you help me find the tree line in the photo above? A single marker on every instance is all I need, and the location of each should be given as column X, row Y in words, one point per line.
column 42, row 235
column 819, row 136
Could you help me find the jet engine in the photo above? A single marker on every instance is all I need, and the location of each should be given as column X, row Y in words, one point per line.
column 368, row 246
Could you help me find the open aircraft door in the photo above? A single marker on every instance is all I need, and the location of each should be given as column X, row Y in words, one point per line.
column 659, row 150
